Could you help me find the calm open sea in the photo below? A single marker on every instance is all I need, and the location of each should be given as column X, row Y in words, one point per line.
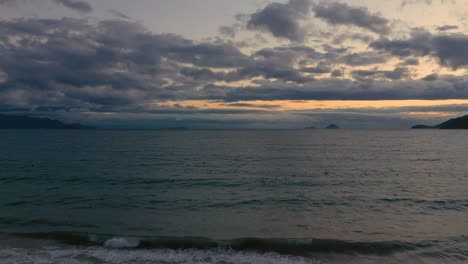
column 312, row 196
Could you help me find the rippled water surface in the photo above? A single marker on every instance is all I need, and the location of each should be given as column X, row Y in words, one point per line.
column 234, row 196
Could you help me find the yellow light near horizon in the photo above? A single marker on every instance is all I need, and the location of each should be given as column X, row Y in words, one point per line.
column 288, row 105
column 435, row 114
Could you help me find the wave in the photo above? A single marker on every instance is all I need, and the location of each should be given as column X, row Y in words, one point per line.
column 21, row 222
column 157, row 256
column 298, row 247
column 454, row 205
column 97, row 248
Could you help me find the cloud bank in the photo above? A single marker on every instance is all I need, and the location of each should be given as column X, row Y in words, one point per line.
column 120, row 67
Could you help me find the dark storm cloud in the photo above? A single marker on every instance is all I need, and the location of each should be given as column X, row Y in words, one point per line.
column 337, row 13
column 117, row 65
column 337, row 73
column 269, row 71
column 450, row 50
column 389, row 87
column 72, row 62
column 333, row 53
column 352, row 36
column 431, row 77
column 419, row 44
column 196, row 111
column 282, row 20
column 365, row 58
column 77, row 5
column 203, row 74
column 207, row 54
column 276, row 63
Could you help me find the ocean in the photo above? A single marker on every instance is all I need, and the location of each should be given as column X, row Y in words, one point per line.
column 311, row 196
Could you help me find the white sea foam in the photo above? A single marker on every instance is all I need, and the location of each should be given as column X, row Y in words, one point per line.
column 121, row 242
column 106, row 255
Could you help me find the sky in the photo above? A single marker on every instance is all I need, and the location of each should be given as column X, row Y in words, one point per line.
column 244, row 64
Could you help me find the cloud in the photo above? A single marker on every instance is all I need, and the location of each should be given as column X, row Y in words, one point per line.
column 447, row 27
column 7, row 2
column 419, row 44
column 336, row 13
column 364, row 58
column 352, row 36
column 319, row 69
column 396, row 74
column 410, row 62
column 118, row 66
column 248, row 105
column 450, row 50
column 282, row 20
column 405, row 3
column 118, row 14
column 337, row 73
column 431, row 77
column 77, row 5
column 114, row 63
column 392, row 85
column 278, row 63
column 89, row 68
column 229, row 31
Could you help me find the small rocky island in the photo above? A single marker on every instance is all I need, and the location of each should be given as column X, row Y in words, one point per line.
column 26, row 122
column 332, row 126
column 456, row 123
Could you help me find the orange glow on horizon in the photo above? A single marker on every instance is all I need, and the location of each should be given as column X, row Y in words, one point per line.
column 289, row 105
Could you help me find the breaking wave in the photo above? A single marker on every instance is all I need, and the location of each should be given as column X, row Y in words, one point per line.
column 297, row 247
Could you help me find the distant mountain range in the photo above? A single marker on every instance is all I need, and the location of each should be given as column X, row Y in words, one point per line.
column 456, row 123
column 26, row 122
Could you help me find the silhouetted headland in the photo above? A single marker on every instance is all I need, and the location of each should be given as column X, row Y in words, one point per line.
column 456, row 123
column 26, row 122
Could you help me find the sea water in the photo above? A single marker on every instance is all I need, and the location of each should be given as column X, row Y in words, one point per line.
column 312, row 196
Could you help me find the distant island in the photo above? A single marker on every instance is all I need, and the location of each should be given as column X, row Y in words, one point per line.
column 332, row 126
column 456, row 123
column 174, row 128
column 26, row 122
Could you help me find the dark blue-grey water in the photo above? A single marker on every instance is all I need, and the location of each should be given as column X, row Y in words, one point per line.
column 313, row 196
